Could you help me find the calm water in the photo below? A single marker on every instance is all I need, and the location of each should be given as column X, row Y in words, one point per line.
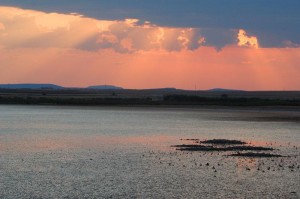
column 118, row 152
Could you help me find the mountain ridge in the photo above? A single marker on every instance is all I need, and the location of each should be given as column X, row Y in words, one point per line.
column 104, row 87
column 30, row 86
column 97, row 87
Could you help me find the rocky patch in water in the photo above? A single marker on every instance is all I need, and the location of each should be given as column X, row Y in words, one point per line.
column 195, row 147
column 258, row 155
column 223, row 142
column 224, row 145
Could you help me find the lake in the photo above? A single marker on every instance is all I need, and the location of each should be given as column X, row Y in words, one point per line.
column 125, row 152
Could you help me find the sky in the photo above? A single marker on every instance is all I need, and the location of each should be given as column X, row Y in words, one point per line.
column 195, row 44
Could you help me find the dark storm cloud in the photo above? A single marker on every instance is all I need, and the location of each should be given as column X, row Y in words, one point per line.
column 276, row 23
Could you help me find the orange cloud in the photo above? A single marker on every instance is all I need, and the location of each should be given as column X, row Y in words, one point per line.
column 28, row 28
column 245, row 40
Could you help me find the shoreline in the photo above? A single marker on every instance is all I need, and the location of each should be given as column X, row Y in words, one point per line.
column 153, row 98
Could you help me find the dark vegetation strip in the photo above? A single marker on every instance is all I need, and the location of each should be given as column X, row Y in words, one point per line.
column 224, row 100
column 75, row 101
column 166, row 100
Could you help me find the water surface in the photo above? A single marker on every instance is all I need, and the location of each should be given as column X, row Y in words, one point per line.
column 124, row 152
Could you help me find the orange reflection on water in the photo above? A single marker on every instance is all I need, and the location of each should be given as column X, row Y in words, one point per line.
column 73, row 142
column 151, row 141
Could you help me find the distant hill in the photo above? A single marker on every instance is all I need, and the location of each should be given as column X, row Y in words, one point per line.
column 105, row 87
column 30, row 86
column 161, row 89
column 223, row 90
column 101, row 87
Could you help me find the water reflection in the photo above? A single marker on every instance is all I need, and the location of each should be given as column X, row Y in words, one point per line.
column 44, row 143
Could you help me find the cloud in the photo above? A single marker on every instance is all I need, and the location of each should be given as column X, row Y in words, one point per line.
column 34, row 29
column 245, row 40
column 272, row 21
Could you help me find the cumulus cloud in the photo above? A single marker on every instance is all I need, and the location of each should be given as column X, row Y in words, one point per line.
column 266, row 23
column 27, row 28
column 20, row 28
column 245, row 40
